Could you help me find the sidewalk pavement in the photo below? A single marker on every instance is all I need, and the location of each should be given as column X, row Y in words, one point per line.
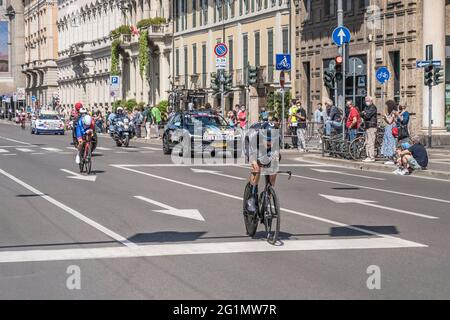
column 439, row 169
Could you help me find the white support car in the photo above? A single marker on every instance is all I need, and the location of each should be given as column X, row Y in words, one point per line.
column 47, row 122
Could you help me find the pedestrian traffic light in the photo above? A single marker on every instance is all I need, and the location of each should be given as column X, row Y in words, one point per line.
column 428, row 75
column 338, row 68
column 252, row 75
column 228, row 83
column 438, row 75
column 215, row 85
column 328, row 79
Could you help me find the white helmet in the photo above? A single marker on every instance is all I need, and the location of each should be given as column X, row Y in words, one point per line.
column 119, row 109
column 87, row 120
column 83, row 110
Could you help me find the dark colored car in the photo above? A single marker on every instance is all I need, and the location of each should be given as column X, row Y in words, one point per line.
column 204, row 132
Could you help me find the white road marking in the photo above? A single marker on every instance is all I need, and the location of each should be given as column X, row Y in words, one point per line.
column 71, row 211
column 104, row 149
column 36, row 153
column 52, row 149
column 370, row 188
column 347, row 174
column 24, row 150
column 241, row 199
column 207, row 165
column 17, row 146
column 78, row 176
column 185, row 213
column 204, row 248
column 10, row 154
column 3, row 151
column 146, row 151
column 371, row 203
column 217, row 173
column 152, row 148
column 17, row 141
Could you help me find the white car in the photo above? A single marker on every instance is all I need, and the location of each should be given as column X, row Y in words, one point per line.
column 47, row 122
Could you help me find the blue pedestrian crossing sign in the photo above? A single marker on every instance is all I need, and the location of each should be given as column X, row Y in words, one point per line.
column 283, row 62
column 383, row 75
column 341, row 35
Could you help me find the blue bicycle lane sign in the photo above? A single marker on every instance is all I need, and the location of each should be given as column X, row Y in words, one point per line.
column 383, row 75
column 283, row 62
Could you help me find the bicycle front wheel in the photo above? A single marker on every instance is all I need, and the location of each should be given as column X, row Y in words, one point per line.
column 272, row 216
column 88, row 159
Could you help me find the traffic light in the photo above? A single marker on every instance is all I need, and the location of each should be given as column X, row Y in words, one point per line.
column 328, row 79
column 428, row 75
column 338, row 68
column 215, row 85
column 228, row 83
column 252, row 75
column 438, row 75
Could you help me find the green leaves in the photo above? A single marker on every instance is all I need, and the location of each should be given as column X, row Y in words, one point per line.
column 145, row 23
column 115, row 58
column 143, row 52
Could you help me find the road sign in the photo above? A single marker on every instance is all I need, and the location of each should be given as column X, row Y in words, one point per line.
column 341, row 35
column 383, row 75
column 282, row 79
column 20, row 94
column 114, row 86
column 33, row 98
column 221, row 63
column 426, row 63
column 221, row 49
column 283, row 62
column 356, row 67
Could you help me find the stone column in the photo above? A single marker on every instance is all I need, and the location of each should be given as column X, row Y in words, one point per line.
column 434, row 33
column 164, row 72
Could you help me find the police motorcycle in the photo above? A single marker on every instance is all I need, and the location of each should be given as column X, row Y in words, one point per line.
column 122, row 129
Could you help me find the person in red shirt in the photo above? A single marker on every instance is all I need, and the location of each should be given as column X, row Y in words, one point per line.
column 242, row 117
column 353, row 121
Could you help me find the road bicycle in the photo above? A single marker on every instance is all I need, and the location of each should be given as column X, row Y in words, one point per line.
column 86, row 154
column 268, row 210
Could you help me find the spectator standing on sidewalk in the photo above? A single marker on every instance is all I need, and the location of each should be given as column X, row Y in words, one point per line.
column 242, row 117
column 389, row 141
column 137, row 120
column 370, row 117
column 402, row 122
column 156, row 116
column 293, row 124
column 301, row 126
column 353, row 122
column 147, row 122
column 335, row 118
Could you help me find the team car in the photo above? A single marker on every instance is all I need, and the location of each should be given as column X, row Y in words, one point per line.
column 47, row 122
column 200, row 133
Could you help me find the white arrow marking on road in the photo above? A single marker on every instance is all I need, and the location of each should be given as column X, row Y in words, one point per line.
column 185, row 213
column 78, row 176
column 346, row 174
column 371, row 203
column 217, row 173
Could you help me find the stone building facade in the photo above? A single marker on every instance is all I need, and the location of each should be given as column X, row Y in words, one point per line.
column 41, row 52
column 384, row 33
column 84, row 63
column 12, row 51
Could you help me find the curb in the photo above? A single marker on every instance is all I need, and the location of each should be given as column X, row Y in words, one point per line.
column 373, row 166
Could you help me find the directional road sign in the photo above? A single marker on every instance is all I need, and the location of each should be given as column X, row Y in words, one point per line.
column 425, row 63
column 383, row 75
column 341, row 35
column 221, row 49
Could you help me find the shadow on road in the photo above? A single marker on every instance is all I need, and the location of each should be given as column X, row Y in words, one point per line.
column 347, row 232
column 166, row 236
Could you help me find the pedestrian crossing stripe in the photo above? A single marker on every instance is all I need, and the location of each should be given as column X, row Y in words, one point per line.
column 24, row 150
column 52, row 149
column 104, row 149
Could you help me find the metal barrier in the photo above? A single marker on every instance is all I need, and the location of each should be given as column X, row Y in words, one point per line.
column 313, row 136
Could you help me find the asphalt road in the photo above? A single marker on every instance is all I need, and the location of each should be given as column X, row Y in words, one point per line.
column 147, row 228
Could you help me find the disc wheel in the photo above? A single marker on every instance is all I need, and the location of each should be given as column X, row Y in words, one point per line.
column 250, row 220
